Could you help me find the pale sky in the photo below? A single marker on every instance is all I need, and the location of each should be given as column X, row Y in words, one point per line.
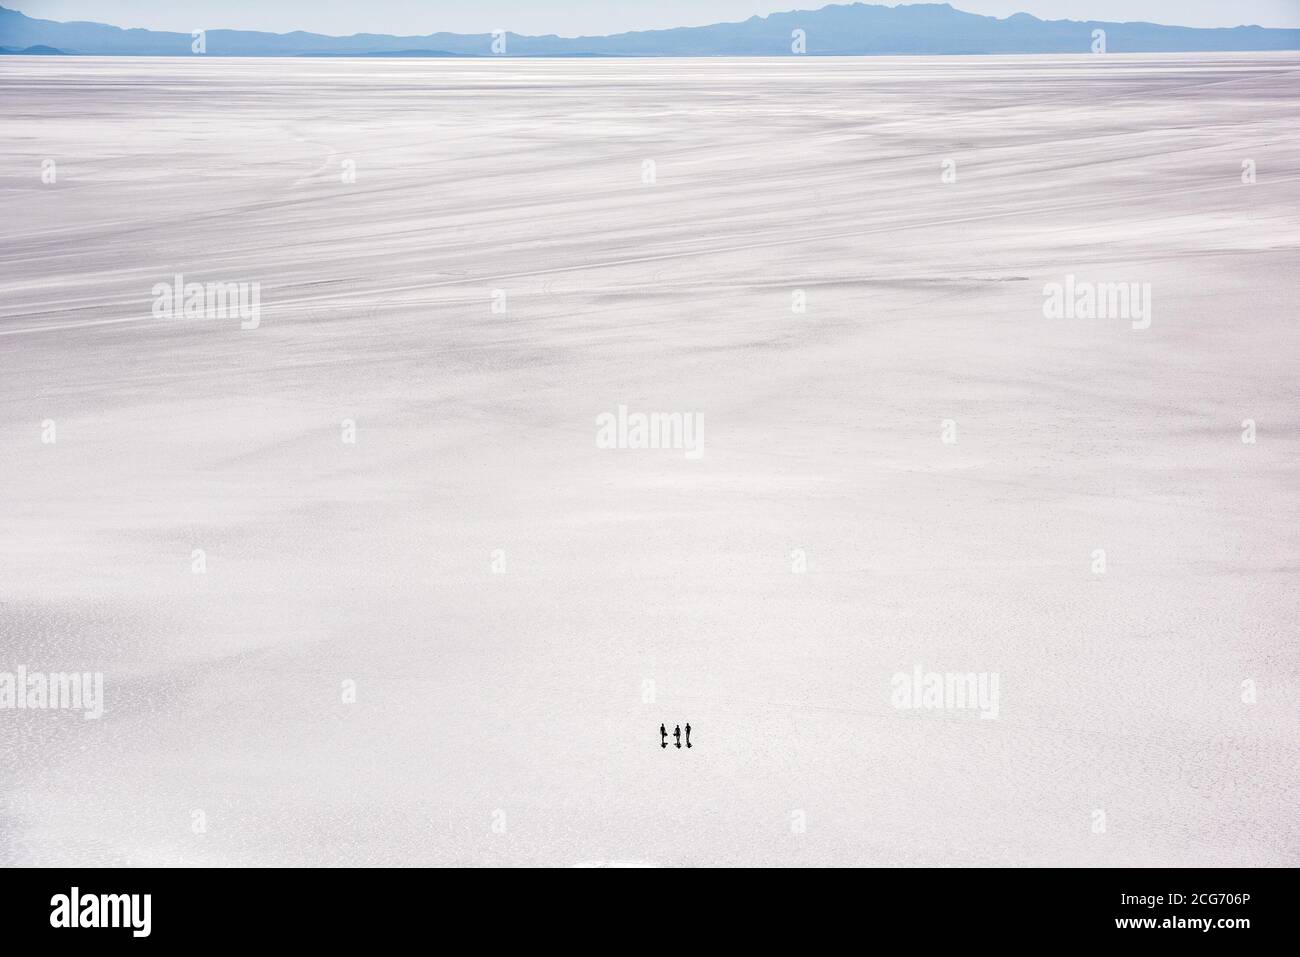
column 575, row 17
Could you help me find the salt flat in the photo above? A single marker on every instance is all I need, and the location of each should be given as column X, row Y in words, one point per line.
column 519, row 610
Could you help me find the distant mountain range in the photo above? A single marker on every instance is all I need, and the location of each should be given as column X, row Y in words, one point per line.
column 853, row 29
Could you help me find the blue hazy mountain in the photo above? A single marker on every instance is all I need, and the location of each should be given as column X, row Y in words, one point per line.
column 31, row 51
column 852, row 29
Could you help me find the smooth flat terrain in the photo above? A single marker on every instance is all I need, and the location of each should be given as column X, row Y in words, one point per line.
column 519, row 699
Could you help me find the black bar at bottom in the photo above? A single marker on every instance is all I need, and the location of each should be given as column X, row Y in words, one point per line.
column 368, row 906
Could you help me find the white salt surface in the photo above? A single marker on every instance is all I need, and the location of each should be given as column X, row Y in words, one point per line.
column 501, row 718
